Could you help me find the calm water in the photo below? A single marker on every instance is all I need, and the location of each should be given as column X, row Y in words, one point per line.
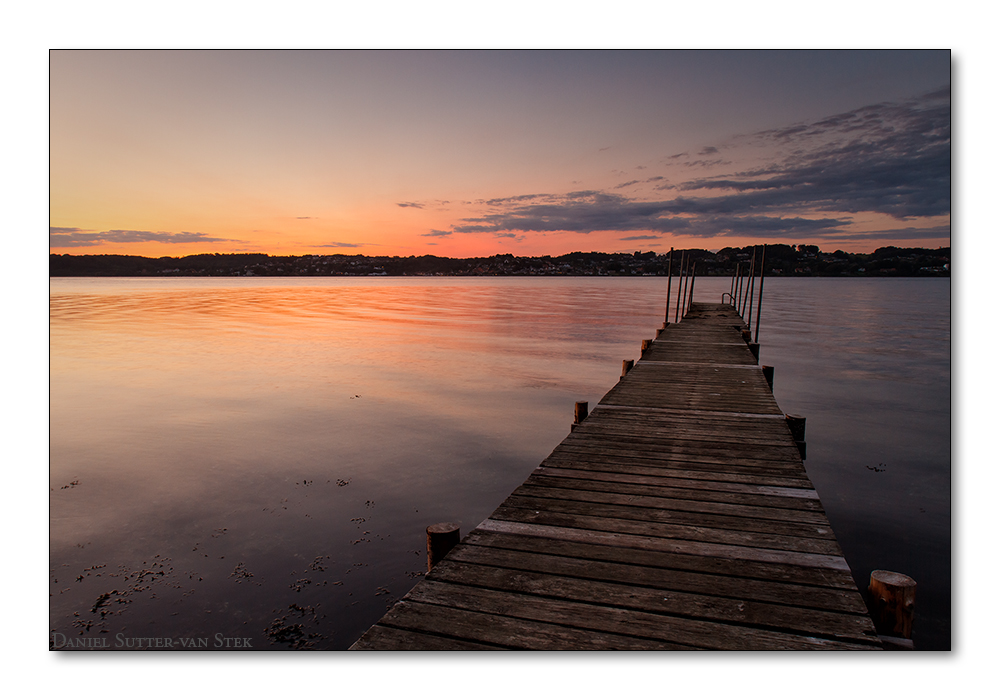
column 258, row 458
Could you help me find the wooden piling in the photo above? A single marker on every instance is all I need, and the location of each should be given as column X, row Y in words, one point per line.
column 749, row 304
column 645, row 346
column 441, row 537
column 694, row 276
column 670, row 262
column 760, row 294
column 580, row 412
column 769, row 376
column 680, row 279
column 797, row 425
column 893, row 596
column 755, row 349
column 627, row 366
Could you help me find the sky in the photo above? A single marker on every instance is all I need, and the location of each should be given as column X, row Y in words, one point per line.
column 475, row 153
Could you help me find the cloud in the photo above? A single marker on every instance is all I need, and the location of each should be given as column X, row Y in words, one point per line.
column 502, row 201
column 338, row 244
column 306, row 217
column 909, row 233
column 641, row 238
column 66, row 229
column 611, row 212
column 437, row 234
column 415, row 205
column 71, row 237
column 626, row 184
column 708, row 150
column 892, row 159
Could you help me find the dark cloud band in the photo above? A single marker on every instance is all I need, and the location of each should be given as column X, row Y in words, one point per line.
column 71, row 237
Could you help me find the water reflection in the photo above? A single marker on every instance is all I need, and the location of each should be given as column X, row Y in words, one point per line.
column 259, row 458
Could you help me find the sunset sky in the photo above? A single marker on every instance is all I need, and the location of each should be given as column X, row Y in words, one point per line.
column 477, row 153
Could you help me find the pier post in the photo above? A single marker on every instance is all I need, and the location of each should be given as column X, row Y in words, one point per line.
column 580, row 412
column 670, row 264
column 645, row 346
column 769, row 375
column 797, row 424
column 894, row 595
column 755, row 350
column 760, row 294
column 441, row 537
column 680, row 279
column 627, row 366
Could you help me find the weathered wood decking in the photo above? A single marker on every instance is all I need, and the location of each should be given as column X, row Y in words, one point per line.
column 678, row 515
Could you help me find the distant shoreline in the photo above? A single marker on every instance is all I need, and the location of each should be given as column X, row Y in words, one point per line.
column 780, row 261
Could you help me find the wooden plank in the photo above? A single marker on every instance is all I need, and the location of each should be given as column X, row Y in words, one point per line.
column 658, row 599
column 500, row 630
column 595, row 503
column 635, row 553
column 787, row 499
column 581, row 460
column 697, row 506
column 381, row 637
column 559, row 526
column 649, row 522
column 645, row 630
column 669, row 477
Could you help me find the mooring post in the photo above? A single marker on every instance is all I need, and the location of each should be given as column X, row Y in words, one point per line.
column 670, row 261
column 739, row 286
column 694, row 276
column 732, row 285
column 797, row 425
column 682, row 287
column 769, row 376
column 894, row 595
column 748, row 290
column 680, row 278
column 760, row 294
column 753, row 267
column 627, row 366
column 441, row 537
column 646, row 344
column 580, row 412
column 754, row 350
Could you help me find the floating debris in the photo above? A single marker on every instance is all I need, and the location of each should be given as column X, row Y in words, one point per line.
column 241, row 573
column 281, row 631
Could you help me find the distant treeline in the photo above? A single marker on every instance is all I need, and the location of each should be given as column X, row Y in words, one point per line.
column 802, row 260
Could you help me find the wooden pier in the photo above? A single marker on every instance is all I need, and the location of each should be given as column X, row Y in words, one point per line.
column 677, row 515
